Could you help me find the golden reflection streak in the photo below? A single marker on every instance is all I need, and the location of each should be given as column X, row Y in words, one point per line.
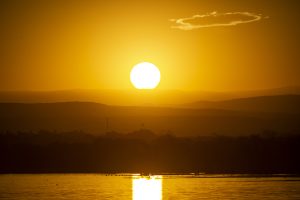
column 147, row 188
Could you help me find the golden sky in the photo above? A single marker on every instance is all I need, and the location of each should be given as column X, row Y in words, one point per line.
column 197, row 45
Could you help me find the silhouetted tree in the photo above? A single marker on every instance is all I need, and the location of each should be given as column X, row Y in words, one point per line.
column 144, row 151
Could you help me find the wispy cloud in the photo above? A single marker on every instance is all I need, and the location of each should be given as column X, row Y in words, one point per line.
column 215, row 19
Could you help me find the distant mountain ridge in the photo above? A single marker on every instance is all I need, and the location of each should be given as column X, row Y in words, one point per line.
column 279, row 103
column 137, row 97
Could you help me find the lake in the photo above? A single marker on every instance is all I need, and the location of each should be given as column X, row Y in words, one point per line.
column 126, row 186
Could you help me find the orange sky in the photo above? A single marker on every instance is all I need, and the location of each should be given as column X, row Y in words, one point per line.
column 54, row 45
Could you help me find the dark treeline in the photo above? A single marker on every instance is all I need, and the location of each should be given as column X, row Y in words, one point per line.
column 143, row 151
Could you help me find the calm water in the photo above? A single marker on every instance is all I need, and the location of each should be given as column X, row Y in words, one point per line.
column 96, row 186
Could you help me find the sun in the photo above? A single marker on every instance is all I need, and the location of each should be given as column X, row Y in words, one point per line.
column 145, row 76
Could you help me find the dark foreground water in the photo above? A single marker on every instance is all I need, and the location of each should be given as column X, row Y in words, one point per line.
column 98, row 186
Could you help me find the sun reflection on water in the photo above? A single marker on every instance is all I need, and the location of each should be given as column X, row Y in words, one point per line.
column 147, row 188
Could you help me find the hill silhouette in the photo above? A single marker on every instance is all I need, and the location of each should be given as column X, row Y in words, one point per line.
column 248, row 116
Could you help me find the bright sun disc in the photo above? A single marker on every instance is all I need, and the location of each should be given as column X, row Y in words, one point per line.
column 145, row 76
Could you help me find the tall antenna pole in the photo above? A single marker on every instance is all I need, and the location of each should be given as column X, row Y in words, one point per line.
column 107, row 124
